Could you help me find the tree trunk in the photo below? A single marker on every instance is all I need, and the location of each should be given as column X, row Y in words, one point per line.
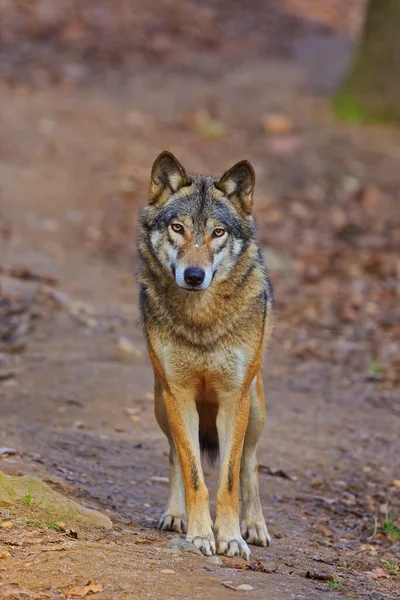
column 371, row 90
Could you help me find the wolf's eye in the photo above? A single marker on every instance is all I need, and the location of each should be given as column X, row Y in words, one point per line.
column 219, row 232
column 177, row 227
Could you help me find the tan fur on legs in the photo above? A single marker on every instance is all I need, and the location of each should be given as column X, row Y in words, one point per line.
column 184, row 421
column 174, row 517
column 252, row 525
column 231, row 424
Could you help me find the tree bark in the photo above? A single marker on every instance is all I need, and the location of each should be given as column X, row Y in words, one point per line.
column 371, row 90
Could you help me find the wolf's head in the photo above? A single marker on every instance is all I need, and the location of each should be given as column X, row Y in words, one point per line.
column 198, row 227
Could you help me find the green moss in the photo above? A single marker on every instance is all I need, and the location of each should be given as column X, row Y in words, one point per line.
column 348, row 108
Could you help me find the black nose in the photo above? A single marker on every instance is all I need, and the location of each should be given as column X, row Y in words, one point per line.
column 194, row 276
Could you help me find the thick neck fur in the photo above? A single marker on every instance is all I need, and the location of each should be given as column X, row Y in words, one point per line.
column 201, row 318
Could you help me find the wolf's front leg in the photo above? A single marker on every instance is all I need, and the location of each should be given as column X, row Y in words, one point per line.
column 232, row 423
column 184, row 423
column 174, row 517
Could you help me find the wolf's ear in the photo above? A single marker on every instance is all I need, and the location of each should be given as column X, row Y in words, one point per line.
column 238, row 185
column 167, row 177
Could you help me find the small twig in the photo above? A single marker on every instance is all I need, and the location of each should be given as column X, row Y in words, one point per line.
column 229, row 586
column 26, row 274
column 376, row 525
column 276, row 472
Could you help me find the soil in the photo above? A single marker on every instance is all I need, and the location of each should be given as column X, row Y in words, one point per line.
column 75, row 380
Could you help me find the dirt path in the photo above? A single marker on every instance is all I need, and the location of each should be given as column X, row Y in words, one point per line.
column 78, row 406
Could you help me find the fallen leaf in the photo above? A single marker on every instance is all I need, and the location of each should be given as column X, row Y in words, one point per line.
column 262, row 566
column 234, row 563
column 321, row 529
column 377, row 573
column 7, row 451
column 5, row 554
column 167, row 571
column 14, row 592
column 277, row 123
column 146, row 540
column 320, row 576
column 26, row 274
column 84, row 590
column 368, row 548
column 7, row 524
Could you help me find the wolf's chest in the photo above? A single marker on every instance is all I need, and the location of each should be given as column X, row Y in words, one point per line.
column 212, row 368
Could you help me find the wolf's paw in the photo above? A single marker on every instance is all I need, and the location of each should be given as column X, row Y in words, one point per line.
column 172, row 523
column 235, row 546
column 255, row 532
column 205, row 543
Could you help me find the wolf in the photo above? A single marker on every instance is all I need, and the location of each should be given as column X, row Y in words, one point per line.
column 207, row 311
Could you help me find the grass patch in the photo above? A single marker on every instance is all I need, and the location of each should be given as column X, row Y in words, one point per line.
column 374, row 368
column 335, row 583
column 30, row 514
column 391, row 567
column 28, row 499
column 349, row 109
column 391, row 529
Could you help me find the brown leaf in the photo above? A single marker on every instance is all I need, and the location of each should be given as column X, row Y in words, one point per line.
column 26, row 274
column 14, row 592
column 149, row 539
column 377, row 573
column 320, row 576
column 234, row 563
column 4, row 451
column 262, row 566
column 321, row 529
column 84, row 590
column 368, row 548
column 277, row 123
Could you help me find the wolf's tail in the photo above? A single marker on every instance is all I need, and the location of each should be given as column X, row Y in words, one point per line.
column 209, row 445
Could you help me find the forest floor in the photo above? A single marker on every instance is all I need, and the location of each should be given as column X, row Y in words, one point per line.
column 75, row 380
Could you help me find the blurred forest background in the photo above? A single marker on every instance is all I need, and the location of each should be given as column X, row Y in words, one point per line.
column 90, row 93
